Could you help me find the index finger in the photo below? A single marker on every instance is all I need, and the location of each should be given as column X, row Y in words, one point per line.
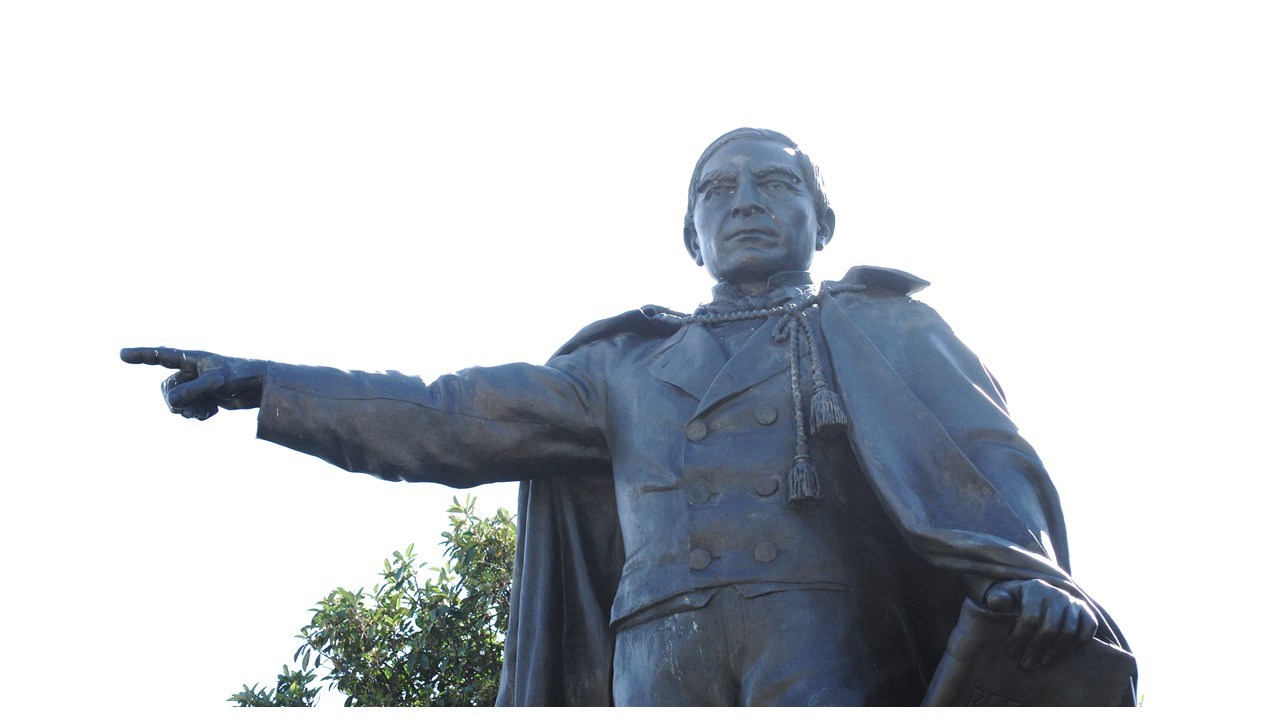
column 163, row 356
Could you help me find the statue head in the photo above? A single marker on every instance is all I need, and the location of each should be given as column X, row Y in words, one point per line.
column 756, row 207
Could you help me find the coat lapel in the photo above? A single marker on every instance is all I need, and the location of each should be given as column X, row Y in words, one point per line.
column 688, row 360
column 693, row 361
column 759, row 359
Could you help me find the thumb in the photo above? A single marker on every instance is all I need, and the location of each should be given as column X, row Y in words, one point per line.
column 1001, row 599
column 203, row 389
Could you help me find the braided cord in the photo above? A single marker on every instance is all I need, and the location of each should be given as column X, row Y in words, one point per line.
column 720, row 318
column 819, row 382
column 797, row 399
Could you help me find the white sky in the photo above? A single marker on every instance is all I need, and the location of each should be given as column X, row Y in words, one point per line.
column 1091, row 187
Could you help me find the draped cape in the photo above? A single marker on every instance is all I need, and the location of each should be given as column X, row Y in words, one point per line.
column 927, row 423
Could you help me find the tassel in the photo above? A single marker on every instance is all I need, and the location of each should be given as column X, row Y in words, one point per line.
column 802, row 482
column 825, row 412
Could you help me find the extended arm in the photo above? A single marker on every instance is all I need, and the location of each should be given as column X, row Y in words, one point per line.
column 480, row 425
column 510, row 422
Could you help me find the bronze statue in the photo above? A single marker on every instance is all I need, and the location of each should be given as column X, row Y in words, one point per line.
column 783, row 498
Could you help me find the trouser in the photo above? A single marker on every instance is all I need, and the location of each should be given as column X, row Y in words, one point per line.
column 786, row 648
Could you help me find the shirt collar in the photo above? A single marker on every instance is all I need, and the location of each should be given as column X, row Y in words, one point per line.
column 781, row 287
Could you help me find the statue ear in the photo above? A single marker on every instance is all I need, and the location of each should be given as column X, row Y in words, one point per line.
column 691, row 244
column 826, row 228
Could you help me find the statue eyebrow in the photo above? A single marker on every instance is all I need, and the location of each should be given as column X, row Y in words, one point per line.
column 717, row 177
column 777, row 170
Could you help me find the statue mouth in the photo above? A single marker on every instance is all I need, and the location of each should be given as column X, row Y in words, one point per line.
column 753, row 233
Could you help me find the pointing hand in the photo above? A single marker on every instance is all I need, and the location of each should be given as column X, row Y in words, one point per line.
column 204, row 381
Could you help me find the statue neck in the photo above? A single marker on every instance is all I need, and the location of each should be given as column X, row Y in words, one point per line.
column 760, row 293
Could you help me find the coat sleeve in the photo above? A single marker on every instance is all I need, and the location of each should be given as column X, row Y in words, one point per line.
column 480, row 425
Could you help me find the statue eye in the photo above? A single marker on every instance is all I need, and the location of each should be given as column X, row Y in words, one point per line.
column 719, row 192
column 776, row 188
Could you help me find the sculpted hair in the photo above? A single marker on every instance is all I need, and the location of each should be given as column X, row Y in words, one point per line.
column 812, row 177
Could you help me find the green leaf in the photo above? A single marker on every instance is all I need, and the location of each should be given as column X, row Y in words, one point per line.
column 425, row 636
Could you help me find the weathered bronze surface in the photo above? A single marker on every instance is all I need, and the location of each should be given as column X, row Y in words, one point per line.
column 784, row 498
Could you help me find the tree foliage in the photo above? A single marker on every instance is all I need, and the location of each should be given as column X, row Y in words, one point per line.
column 414, row 639
column 293, row 689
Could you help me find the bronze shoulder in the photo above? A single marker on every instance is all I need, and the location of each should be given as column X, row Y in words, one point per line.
column 648, row 321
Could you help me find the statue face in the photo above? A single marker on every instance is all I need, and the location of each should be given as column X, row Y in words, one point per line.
column 754, row 215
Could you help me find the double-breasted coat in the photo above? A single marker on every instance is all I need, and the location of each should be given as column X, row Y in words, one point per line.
column 654, row 458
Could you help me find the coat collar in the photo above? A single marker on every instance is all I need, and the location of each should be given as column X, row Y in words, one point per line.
column 696, row 363
column 689, row 360
column 759, row 359
column 779, row 287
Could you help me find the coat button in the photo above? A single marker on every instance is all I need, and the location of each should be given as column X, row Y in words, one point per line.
column 696, row 430
column 766, row 414
column 766, row 485
column 699, row 493
column 699, row 559
column 766, row 552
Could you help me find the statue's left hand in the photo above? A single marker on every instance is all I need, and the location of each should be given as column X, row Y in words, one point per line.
column 1051, row 622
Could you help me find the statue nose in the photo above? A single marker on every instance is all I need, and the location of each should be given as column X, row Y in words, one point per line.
column 747, row 203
